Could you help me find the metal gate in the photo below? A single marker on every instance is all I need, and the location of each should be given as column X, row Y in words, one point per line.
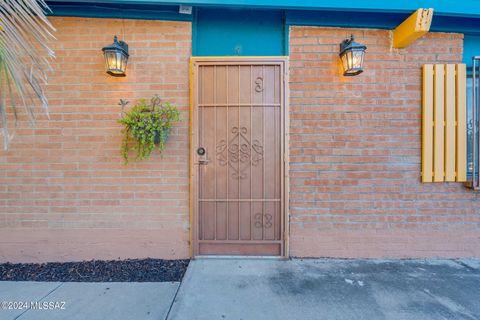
column 238, row 152
column 473, row 137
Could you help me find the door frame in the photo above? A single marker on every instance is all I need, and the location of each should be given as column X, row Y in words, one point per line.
column 193, row 136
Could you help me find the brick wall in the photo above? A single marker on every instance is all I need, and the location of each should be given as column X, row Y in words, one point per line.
column 64, row 191
column 355, row 153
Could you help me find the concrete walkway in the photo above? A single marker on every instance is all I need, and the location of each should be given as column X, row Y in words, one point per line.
column 92, row 301
column 251, row 289
column 329, row 289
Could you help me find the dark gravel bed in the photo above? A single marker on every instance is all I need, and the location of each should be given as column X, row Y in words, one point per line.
column 145, row 270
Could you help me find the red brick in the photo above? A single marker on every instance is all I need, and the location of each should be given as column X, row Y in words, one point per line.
column 67, row 173
column 363, row 137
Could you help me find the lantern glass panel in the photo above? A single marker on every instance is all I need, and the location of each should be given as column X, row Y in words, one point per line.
column 107, row 59
column 344, row 62
column 124, row 62
column 357, row 59
column 119, row 61
column 112, row 60
column 115, row 62
column 350, row 59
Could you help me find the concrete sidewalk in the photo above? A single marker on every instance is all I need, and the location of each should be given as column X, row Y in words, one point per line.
column 92, row 301
column 251, row 289
column 329, row 289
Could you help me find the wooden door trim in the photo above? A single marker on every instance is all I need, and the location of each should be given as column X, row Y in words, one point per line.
column 193, row 130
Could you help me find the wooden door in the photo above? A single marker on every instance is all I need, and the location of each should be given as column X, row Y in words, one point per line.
column 238, row 157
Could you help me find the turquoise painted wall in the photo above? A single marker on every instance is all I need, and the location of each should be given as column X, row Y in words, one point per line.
column 238, row 32
column 249, row 32
column 471, row 47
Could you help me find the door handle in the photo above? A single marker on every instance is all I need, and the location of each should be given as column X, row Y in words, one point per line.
column 206, row 161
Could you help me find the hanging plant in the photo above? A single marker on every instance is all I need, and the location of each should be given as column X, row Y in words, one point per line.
column 146, row 126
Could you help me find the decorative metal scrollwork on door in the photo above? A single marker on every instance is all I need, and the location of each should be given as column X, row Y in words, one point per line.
column 259, row 223
column 239, row 153
column 259, row 84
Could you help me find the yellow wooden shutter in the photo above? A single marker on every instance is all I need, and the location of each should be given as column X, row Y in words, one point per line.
column 444, row 143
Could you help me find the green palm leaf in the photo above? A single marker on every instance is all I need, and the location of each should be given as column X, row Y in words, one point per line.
column 24, row 59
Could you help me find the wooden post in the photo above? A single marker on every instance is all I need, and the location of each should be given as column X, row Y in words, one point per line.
column 415, row 26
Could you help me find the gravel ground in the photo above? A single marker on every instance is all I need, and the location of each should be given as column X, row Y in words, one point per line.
column 145, row 270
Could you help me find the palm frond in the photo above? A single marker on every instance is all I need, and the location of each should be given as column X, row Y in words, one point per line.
column 24, row 59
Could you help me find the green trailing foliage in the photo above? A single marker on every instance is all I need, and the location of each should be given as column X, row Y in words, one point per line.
column 146, row 126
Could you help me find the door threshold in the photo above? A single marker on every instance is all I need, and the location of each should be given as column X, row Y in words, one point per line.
column 221, row 257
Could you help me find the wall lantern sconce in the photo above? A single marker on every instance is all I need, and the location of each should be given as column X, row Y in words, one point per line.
column 351, row 54
column 116, row 57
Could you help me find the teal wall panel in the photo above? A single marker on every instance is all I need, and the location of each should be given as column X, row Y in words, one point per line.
column 238, row 32
column 471, row 47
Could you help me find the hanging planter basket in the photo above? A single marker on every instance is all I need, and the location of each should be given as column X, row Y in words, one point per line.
column 147, row 126
column 165, row 133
